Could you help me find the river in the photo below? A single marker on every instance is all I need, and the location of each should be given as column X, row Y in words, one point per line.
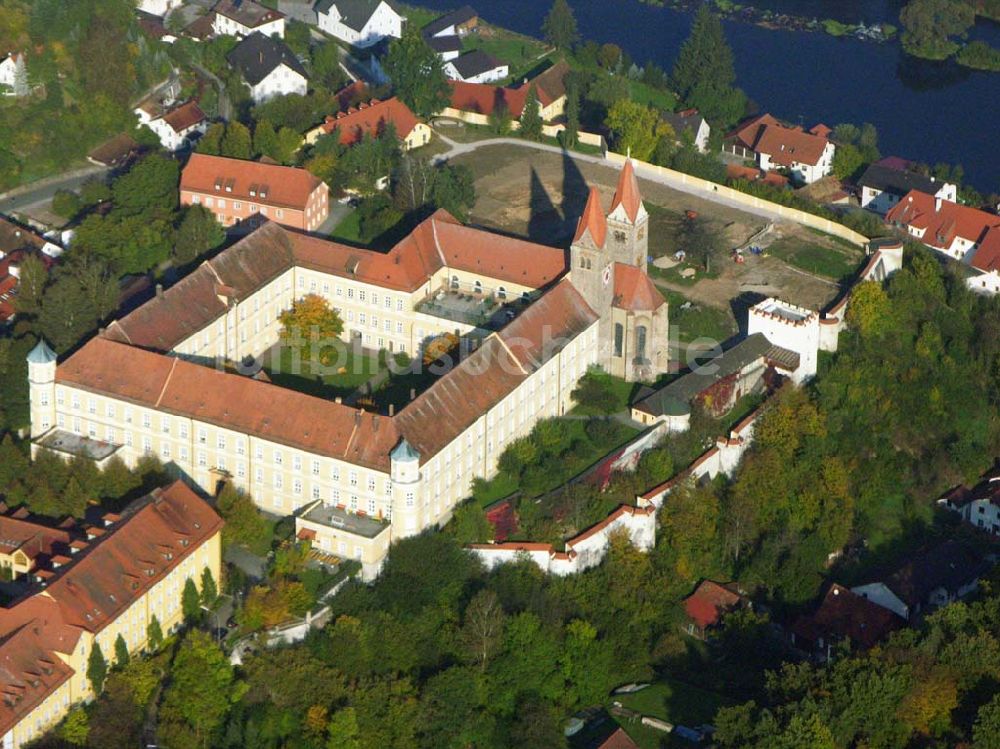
column 925, row 111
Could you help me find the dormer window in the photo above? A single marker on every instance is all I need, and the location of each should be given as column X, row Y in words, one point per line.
column 184, row 542
column 620, row 236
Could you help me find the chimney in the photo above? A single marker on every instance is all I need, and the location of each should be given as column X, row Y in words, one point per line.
column 413, row 393
column 338, row 400
column 357, row 417
column 260, row 55
column 937, row 205
column 392, row 410
column 374, row 422
column 159, row 289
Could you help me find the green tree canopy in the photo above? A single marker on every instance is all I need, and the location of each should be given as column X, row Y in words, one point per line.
column 929, row 27
column 417, row 73
column 559, row 26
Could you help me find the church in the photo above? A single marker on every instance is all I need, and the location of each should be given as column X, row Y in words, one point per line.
column 162, row 380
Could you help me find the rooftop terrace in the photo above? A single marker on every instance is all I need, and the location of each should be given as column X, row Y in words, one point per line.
column 77, row 445
column 334, row 517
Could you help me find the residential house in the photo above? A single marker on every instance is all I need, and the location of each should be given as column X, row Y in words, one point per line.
column 960, row 232
column 883, row 186
column 447, row 47
column 28, row 545
column 243, row 18
column 978, row 506
column 805, row 155
column 476, row 103
column 269, row 67
column 843, row 616
column 14, row 74
column 110, row 582
column 361, row 23
column 932, row 578
column 372, row 118
column 159, row 8
column 354, row 480
column 248, row 193
column 175, row 126
column 689, row 123
column 17, row 243
column 706, row 607
column 476, row 66
column 115, row 152
column 153, row 26
column 458, row 23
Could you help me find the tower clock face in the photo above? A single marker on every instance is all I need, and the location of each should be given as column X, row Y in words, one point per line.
column 607, row 275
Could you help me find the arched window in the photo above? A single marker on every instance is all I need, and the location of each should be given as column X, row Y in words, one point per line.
column 454, row 282
column 588, row 263
column 501, row 292
column 640, row 342
column 583, row 261
column 619, row 338
column 478, row 287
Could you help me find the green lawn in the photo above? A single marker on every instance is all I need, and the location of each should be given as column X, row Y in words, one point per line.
column 622, row 390
column 699, row 320
column 501, row 486
column 351, row 371
column 831, row 262
column 521, row 53
column 672, row 701
column 348, row 230
column 645, row 94
column 416, row 16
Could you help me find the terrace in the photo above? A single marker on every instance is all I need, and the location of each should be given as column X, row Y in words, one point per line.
column 340, row 519
column 473, row 306
column 77, row 445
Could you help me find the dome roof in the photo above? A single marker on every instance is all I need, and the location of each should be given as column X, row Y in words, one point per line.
column 41, row 353
column 404, row 452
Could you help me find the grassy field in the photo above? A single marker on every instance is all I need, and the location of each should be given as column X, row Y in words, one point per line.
column 622, row 390
column 645, row 94
column 699, row 320
column 835, row 260
column 348, row 230
column 521, row 53
column 352, row 370
column 674, row 702
column 417, row 16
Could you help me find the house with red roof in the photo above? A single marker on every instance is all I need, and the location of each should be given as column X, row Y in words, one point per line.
column 373, row 117
column 805, row 155
column 706, row 607
column 176, row 126
column 962, row 233
column 843, row 616
column 17, row 243
column 477, row 103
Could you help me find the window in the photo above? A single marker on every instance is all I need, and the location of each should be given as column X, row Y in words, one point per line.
column 361, row 295
column 353, row 478
column 640, row 342
column 202, row 436
column 278, row 483
column 296, row 462
column 619, row 338
column 297, row 487
column 259, row 452
column 259, row 475
column 241, row 470
column 335, row 473
column 315, row 491
column 399, row 305
column 278, row 459
column 409, row 499
column 353, row 505
column 147, row 421
column 399, row 327
column 374, row 299
column 371, row 506
column 220, row 442
column 241, row 448
column 388, row 302
column 371, row 483
column 202, row 458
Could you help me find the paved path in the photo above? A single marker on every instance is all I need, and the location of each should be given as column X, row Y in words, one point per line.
column 24, row 197
column 458, row 149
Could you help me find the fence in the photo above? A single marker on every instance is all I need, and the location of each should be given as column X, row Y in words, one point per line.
column 713, row 191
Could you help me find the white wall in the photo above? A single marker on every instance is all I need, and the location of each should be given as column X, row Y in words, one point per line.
column 280, row 81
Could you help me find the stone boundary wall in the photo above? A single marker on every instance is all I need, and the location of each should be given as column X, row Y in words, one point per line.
column 714, row 191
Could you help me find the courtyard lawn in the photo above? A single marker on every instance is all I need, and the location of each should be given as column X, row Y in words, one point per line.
column 672, row 701
column 521, row 53
column 416, row 16
column 622, row 390
column 348, row 230
column 645, row 94
column 699, row 320
column 351, row 371
column 835, row 262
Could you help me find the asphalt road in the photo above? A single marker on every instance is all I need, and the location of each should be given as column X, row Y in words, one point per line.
column 48, row 188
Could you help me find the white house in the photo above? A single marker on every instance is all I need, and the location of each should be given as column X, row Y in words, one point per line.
column 882, row 187
column 978, row 506
column 14, row 74
column 805, row 155
column 268, row 67
column 158, row 7
column 176, row 127
column 790, row 327
column 245, row 17
column 361, row 23
column 691, row 122
column 476, row 67
column 937, row 577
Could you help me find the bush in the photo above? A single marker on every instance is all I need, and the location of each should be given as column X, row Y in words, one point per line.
column 66, row 204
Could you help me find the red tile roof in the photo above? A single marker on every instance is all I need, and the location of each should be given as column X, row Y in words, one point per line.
column 592, row 220
column 29, row 672
column 482, row 98
column 371, row 118
column 784, row 144
column 627, row 193
column 634, row 290
column 185, row 116
column 844, row 614
column 33, row 539
column 709, row 602
column 943, row 220
column 618, row 740
column 283, row 185
column 16, row 237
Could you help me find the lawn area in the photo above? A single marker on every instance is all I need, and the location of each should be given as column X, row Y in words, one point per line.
column 646, row 94
column 699, row 320
column 622, row 391
column 672, row 701
column 834, row 262
column 417, row 16
column 521, row 53
column 351, row 370
column 348, row 230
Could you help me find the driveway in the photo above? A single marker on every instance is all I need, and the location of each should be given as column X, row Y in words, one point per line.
column 254, row 566
column 22, row 198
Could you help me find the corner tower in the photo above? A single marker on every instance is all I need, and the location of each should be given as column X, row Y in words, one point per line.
column 591, row 267
column 42, row 387
column 628, row 236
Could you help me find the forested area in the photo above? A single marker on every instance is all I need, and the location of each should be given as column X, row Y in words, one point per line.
column 86, row 62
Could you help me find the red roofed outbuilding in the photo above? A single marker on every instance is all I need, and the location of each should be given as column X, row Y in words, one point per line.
column 709, row 603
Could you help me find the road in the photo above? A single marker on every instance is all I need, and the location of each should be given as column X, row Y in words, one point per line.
column 23, row 198
column 458, row 149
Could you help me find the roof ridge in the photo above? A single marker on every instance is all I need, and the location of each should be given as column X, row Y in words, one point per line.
column 166, row 382
column 508, row 350
column 117, row 326
column 437, row 243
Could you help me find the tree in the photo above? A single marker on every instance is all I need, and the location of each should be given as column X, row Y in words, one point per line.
column 198, row 233
column 559, row 26
column 482, row 631
column 211, row 142
column 202, row 690
column 97, row 668
column 31, row 286
column 236, row 143
column 311, row 326
column 454, row 189
column 847, row 161
column 244, row 524
column 154, row 634
column 149, row 188
column 191, row 601
column 595, row 391
column 531, row 116
column 986, row 731
column 869, row 309
column 343, row 730
column 417, row 72
column 704, row 76
column 209, row 589
column 76, row 727
column 930, row 25
column 636, row 128
column 571, row 134
column 265, row 139
column 121, row 651
column 66, row 203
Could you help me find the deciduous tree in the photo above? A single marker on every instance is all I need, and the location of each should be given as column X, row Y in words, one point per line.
column 559, row 26
column 417, row 73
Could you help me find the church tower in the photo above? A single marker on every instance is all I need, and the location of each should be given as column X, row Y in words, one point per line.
column 628, row 236
column 592, row 268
